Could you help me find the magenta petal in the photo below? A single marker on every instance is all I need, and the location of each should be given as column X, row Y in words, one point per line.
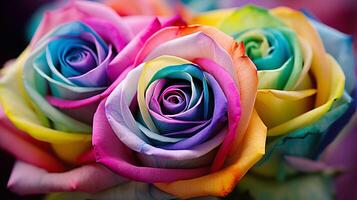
column 28, row 179
column 76, row 11
column 126, row 57
column 111, row 152
column 108, row 32
column 231, row 92
column 139, row 22
column 72, row 104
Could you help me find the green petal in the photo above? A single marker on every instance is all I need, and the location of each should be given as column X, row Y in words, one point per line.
column 302, row 142
column 249, row 17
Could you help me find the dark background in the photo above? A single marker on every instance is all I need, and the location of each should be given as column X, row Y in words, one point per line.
column 14, row 15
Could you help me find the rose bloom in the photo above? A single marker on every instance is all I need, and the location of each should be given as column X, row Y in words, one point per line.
column 303, row 95
column 183, row 119
column 50, row 93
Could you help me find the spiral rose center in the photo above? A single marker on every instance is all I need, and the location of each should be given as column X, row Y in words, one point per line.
column 174, row 99
column 276, row 54
column 81, row 59
column 182, row 106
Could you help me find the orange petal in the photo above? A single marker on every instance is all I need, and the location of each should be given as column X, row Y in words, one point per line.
column 222, row 182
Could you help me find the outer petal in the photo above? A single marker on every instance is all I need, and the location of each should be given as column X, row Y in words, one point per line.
column 77, row 10
column 222, row 182
column 234, row 108
column 285, row 105
column 336, row 89
column 320, row 65
column 303, row 142
column 126, row 57
column 248, row 84
column 170, row 33
column 340, row 46
column 131, row 190
column 138, row 22
column 212, row 18
column 137, row 7
column 28, row 179
column 26, row 148
column 22, row 114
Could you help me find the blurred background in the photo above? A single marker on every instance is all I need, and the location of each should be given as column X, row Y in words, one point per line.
column 18, row 20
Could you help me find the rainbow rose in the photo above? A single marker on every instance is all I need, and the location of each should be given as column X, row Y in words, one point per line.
column 304, row 92
column 183, row 119
column 79, row 53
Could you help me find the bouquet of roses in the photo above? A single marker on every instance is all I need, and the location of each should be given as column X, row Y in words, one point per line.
column 129, row 101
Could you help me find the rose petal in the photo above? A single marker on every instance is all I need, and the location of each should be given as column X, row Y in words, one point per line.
column 26, row 148
column 125, row 58
column 336, row 91
column 131, row 190
column 222, row 182
column 28, row 179
column 25, row 117
column 76, row 11
column 114, row 154
column 234, row 108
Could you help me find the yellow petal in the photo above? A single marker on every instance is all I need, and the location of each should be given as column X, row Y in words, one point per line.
column 212, row 18
column 18, row 108
column 319, row 65
column 304, row 81
column 222, row 182
column 336, row 85
column 150, row 68
column 276, row 106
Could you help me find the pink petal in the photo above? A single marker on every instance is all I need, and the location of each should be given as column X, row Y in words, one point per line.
column 28, row 179
column 139, row 22
column 234, row 108
column 25, row 148
column 126, row 57
column 113, row 153
column 79, row 10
